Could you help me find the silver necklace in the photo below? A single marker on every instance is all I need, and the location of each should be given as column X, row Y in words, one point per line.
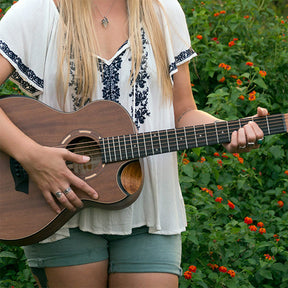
column 105, row 20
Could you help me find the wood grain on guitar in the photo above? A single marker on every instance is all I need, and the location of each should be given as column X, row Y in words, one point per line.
column 104, row 131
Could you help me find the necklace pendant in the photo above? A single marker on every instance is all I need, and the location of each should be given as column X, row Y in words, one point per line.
column 105, row 22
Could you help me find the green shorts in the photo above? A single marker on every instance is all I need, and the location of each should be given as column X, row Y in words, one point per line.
column 134, row 253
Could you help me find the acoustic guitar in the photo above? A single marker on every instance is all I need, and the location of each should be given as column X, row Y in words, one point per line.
column 104, row 131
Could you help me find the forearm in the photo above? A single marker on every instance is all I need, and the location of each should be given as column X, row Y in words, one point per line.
column 192, row 117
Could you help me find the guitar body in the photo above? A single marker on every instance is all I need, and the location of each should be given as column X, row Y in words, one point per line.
column 25, row 216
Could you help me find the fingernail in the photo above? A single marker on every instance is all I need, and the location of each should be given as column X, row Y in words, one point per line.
column 95, row 196
column 86, row 158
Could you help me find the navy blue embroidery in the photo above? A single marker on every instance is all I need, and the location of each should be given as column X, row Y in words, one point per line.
column 110, row 75
column 140, row 90
column 24, row 69
column 180, row 58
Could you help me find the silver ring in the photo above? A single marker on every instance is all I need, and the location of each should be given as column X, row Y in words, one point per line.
column 66, row 191
column 250, row 144
column 58, row 194
column 242, row 147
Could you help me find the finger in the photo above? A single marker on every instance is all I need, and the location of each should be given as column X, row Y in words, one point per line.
column 83, row 186
column 257, row 130
column 233, row 145
column 70, row 156
column 72, row 197
column 262, row 111
column 64, row 200
column 51, row 202
column 241, row 138
column 250, row 135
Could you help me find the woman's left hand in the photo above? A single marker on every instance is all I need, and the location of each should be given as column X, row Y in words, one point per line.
column 246, row 138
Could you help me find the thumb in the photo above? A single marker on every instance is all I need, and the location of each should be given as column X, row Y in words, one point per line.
column 76, row 158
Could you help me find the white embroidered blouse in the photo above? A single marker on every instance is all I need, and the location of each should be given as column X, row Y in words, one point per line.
column 28, row 40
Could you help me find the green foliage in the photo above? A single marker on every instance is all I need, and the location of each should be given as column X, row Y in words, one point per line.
column 255, row 183
column 227, row 35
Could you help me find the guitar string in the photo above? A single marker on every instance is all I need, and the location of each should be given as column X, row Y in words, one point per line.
column 203, row 140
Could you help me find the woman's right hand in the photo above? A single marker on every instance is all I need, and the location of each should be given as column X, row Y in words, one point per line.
column 46, row 166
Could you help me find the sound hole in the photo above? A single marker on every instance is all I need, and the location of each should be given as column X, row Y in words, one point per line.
column 85, row 146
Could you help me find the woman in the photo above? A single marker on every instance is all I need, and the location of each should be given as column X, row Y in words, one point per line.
column 136, row 53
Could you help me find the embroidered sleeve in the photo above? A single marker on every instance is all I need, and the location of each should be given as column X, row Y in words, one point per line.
column 177, row 35
column 23, row 41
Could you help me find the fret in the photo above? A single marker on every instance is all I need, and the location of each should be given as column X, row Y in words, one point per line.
column 182, row 140
column 148, row 144
column 114, row 149
column 109, row 150
column 171, row 139
column 185, row 136
column 167, row 136
column 119, row 147
column 104, row 156
column 216, row 130
column 152, row 145
column 137, row 143
column 228, row 131
column 222, row 131
column 144, row 143
column 155, row 143
column 196, row 142
column 268, row 126
column 205, row 131
column 163, row 140
column 125, row 145
column 177, row 144
column 200, row 135
column 134, row 146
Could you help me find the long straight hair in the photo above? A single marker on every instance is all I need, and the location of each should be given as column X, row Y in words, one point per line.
column 78, row 46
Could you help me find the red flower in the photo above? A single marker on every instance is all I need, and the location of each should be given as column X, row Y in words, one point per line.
column 241, row 97
column 262, row 231
column 231, row 273
column 246, row 17
column 216, row 14
column 250, row 64
column 223, row 269
column 216, row 154
column 231, row 205
column 241, row 160
column 192, row 268
column 231, row 43
column 248, row 220
column 222, row 80
column 280, row 203
column 239, row 82
column 263, row 73
column 223, row 12
column 260, row 224
column 286, row 172
column 253, row 228
column 200, row 37
column 219, row 199
column 188, row 275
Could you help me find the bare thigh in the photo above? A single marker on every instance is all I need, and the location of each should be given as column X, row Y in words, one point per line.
column 143, row 280
column 92, row 275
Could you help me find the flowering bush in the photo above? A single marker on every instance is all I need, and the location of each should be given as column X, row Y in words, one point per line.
column 236, row 205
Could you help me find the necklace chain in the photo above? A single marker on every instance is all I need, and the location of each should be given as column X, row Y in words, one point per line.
column 105, row 20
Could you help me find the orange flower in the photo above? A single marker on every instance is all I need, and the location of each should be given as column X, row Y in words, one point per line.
column 231, row 273
column 192, row 85
column 219, row 199
column 241, row 97
column 202, row 159
column 220, row 187
column 239, row 82
column 248, row 220
column 231, row 205
column 223, row 12
column 262, row 231
column 228, row 67
column 220, row 162
column 216, row 154
column 234, row 76
column 222, row 80
column 246, row 17
column 280, row 203
column 200, row 37
column 253, row 228
column 223, row 269
column 252, row 96
column 250, row 64
column 286, row 172
column 231, row 43
column 260, row 224
column 188, row 275
column 222, row 65
column 185, row 161
column 263, row 73
column 241, row 160
column 216, row 14
column 192, row 268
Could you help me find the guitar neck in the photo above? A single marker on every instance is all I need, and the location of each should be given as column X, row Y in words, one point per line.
column 140, row 145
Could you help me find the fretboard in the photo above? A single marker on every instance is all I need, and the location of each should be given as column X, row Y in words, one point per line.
column 140, row 145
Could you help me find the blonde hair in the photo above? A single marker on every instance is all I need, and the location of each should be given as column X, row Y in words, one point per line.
column 77, row 51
